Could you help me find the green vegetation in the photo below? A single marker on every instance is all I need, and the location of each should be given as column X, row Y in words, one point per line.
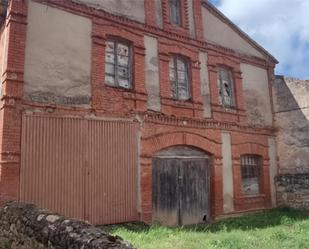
column 275, row 229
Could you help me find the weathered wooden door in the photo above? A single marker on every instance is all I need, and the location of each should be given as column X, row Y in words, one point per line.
column 180, row 190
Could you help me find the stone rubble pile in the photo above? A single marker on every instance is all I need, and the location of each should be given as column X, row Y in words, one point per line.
column 54, row 230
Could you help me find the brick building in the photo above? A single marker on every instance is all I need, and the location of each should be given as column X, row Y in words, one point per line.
column 154, row 110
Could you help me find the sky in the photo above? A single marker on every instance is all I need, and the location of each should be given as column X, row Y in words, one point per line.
column 280, row 26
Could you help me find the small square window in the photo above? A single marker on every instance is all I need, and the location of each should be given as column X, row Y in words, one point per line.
column 226, row 90
column 179, row 78
column 250, row 174
column 118, row 71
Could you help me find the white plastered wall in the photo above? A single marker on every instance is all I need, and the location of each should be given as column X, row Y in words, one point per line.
column 58, row 56
column 218, row 32
column 228, row 188
column 256, row 95
column 132, row 9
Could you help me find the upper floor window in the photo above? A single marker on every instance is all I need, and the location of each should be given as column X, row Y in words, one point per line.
column 225, row 85
column 175, row 12
column 250, row 174
column 118, row 71
column 179, row 78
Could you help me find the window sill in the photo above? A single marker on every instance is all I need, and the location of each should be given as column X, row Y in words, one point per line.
column 190, row 103
column 252, row 196
column 122, row 89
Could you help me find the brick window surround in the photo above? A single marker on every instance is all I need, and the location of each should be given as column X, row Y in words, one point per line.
column 183, row 28
column 110, row 98
column 257, row 146
column 236, row 113
column 192, row 107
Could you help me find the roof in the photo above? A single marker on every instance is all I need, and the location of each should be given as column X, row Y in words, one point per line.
column 243, row 34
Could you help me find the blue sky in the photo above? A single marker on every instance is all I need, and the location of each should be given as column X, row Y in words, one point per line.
column 280, row 26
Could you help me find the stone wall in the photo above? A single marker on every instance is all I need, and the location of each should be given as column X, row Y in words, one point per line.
column 23, row 225
column 291, row 106
column 293, row 190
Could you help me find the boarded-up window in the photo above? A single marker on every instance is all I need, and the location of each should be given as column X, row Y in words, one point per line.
column 250, row 174
column 118, row 64
column 179, row 78
column 175, row 12
column 225, row 85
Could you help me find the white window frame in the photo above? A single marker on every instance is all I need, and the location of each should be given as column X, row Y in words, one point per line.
column 226, row 86
column 175, row 83
column 116, row 64
column 251, row 167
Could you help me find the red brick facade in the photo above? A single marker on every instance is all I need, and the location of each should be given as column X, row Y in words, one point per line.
column 179, row 123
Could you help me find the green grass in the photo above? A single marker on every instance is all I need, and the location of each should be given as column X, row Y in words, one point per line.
column 273, row 229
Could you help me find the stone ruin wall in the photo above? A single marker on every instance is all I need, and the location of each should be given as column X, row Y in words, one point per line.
column 291, row 106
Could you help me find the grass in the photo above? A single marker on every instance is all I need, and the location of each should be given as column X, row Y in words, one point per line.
column 272, row 229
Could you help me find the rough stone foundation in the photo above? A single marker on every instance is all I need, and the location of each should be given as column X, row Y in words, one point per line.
column 26, row 226
column 293, row 190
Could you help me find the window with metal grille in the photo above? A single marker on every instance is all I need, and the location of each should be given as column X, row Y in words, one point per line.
column 118, row 64
column 225, row 85
column 175, row 12
column 179, row 78
column 250, row 174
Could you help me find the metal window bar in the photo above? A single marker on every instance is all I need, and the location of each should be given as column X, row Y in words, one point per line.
column 250, row 166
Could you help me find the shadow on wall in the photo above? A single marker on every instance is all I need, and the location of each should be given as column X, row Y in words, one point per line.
column 291, row 106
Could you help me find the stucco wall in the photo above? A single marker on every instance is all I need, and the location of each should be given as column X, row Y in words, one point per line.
column 273, row 168
column 291, row 105
column 58, row 56
column 256, row 95
column 222, row 34
column 133, row 9
column 152, row 73
column 3, row 52
column 203, row 58
column 228, row 189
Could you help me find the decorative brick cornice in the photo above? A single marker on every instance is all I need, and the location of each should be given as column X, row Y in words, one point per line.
column 204, row 124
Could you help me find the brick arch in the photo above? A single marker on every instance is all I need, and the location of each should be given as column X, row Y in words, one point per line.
column 250, row 148
column 154, row 144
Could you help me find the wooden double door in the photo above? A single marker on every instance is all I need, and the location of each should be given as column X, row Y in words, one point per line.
column 180, row 190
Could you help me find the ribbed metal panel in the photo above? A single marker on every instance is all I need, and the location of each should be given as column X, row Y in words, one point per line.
column 111, row 189
column 52, row 164
column 81, row 168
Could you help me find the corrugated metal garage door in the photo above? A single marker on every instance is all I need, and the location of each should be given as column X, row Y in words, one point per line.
column 81, row 168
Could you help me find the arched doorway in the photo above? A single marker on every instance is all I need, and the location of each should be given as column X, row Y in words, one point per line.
column 180, row 186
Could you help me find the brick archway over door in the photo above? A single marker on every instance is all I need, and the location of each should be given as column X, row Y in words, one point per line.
column 153, row 144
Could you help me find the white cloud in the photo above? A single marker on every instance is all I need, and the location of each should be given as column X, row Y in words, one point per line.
column 280, row 26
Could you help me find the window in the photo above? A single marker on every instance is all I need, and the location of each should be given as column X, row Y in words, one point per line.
column 225, row 85
column 250, row 174
column 179, row 78
column 118, row 64
column 175, row 12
